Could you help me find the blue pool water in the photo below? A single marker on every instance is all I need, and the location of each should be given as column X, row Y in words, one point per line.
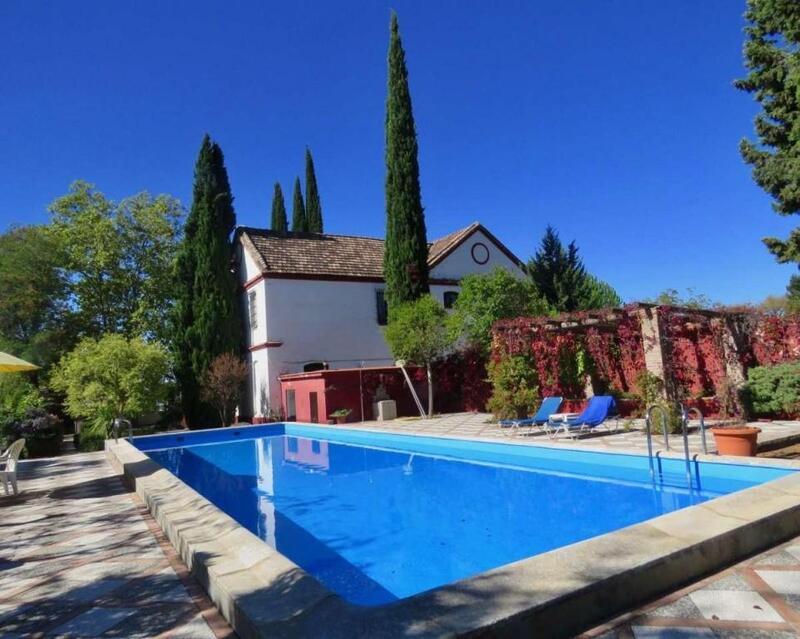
column 379, row 517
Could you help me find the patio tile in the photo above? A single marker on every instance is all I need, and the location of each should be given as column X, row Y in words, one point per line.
column 780, row 558
column 27, row 619
column 731, row 605
column 197, row 628
column 729, row 582
column 782, row 581
column 151, row 621
column 683, row 608
column 676, row 632
column 794, row 551
column 93, row 622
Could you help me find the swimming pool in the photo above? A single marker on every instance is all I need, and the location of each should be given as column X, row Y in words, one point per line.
column 380, row 517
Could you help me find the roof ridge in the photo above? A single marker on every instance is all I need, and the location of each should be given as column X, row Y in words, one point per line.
column 302, row 234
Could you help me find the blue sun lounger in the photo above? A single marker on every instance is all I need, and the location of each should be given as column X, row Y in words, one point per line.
column 598, row 411
column 549, row 406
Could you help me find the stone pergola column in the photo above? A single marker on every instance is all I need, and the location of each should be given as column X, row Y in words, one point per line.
column 653, row 344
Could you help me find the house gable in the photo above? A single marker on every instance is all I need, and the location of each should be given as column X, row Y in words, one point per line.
column 472, row 250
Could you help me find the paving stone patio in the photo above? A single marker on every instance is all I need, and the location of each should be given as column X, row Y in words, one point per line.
column 81, row 558
column 758, row 598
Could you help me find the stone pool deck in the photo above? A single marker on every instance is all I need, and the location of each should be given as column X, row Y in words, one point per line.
column 631, row 440
column 81, row 557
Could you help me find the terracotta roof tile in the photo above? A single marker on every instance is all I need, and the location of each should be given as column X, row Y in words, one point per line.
column 320, row 254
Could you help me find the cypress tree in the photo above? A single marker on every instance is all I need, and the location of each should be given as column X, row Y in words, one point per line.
column 299, row 219
column 279, row 222
column 206, row 315
column 313, row 205
column 405, row 261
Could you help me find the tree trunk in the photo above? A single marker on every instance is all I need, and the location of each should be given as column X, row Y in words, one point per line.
column 430, row 391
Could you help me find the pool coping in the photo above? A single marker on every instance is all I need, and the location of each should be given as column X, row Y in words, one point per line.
column 559, row 593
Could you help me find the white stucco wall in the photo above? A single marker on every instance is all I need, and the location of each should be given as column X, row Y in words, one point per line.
column 332, row 321
column 460, row 263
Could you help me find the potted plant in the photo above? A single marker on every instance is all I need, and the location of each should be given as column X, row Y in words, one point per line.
column 738, row 440
column 340, row 416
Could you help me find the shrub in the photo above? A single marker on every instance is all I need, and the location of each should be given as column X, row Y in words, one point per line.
column 91, row 441
column 773, row 391
column 674, row 418
column 43, row 433
column 651, row 387
column 515, row 387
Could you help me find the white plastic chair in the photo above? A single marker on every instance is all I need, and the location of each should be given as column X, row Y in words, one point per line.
column 11, row 458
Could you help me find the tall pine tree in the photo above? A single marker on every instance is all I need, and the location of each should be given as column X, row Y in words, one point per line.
column 772, row 58
column 562, row 280
column 299, row 218
column 206, row 314
column 278, row 222
column 405, row 261
column 313, row 205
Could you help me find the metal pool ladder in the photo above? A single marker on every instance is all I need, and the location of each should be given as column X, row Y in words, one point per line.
column 648, row 422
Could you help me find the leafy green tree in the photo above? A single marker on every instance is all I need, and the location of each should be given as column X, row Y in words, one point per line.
column 299, row 218
column 772, row 58
column 117, row 259
column 561, row 277
column 110, row 377
column 487, row 298
column 279, row 222
column 417, row 333
column 206, row 317
column 36, row 320
column 313, row 205
column 405, row 260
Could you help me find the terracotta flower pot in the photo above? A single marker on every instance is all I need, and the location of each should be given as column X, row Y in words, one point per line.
column 740, row 442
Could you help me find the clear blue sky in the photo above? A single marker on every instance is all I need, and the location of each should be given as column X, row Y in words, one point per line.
column 615, row 121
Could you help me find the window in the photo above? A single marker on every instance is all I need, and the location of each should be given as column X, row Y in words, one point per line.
column 382, row 308
column 315, row 366
column 450, row 298
column 253, row 310
column 291, row 410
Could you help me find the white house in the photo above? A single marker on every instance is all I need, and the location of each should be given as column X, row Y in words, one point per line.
column 315, row 301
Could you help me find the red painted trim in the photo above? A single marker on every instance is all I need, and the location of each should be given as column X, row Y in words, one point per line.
column 252, row 281
column 322, row 277
column 258, row 347
column 346, row 278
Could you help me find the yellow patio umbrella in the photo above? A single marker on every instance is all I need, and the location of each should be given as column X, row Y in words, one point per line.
column 11, row 364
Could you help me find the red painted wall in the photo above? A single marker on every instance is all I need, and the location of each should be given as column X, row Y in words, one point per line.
column 344, row 388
